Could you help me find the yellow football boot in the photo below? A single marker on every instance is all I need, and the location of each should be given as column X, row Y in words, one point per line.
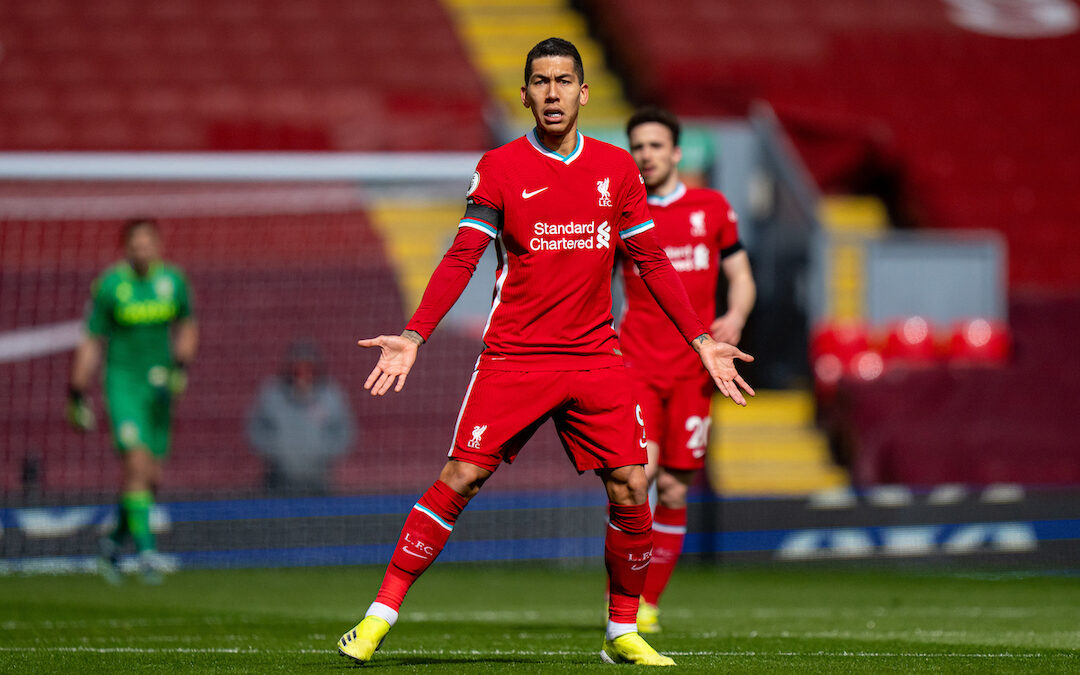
column 360, row 643
column 632, row 648
column 648, row 618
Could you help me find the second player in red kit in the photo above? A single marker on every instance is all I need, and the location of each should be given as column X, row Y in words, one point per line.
column 556, row 204
column 698, row 230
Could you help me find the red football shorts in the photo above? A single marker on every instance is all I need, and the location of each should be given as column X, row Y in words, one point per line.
column 594, row 413
column 677, row 417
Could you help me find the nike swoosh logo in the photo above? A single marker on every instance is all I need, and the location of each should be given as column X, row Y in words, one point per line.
column 639, row 567
column 415, row 555
column 525, row 194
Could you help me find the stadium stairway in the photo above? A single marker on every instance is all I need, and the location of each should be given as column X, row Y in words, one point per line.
column 848, row 221
column 415, row 235
column 497, row 35
column 770, row 447
column 773, row 445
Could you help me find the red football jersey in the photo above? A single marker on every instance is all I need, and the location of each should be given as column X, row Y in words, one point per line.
column 556, row 221
column 695, row 227
column 560, row 218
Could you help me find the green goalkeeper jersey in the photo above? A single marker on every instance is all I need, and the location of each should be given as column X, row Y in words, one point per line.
column 135, row 314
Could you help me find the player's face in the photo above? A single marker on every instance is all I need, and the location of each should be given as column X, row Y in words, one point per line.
column 653, row 148
column 143, row 248
column 554, row 94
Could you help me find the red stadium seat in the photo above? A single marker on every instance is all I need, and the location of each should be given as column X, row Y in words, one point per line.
column 167, row 76
column 841, row 338
column 980, row 342
column 910, row 343
column 867, row 365
column 983, row 127
column 837, row 348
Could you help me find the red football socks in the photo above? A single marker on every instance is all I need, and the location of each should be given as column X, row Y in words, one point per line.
column 423, row 536
column 669, row 530
column 627, row 549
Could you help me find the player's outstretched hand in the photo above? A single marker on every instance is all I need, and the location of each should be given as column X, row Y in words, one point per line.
column 396, row 357
column 719, row 360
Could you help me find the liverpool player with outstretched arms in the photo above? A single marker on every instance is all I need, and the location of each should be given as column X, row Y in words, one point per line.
column 698, row 230
column 555, row 203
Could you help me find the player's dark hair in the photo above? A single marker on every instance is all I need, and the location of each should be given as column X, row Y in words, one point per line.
column 136, row 224
column 656, row 114
column 554, row 46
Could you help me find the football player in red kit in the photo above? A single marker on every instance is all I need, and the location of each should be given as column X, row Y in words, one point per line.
column 698, row 230
column 555, row 203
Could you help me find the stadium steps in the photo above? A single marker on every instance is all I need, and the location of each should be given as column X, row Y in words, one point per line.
column 770, row 447
column 849, row 221
column 497, row 36
column 853, row 214
column 415, row 235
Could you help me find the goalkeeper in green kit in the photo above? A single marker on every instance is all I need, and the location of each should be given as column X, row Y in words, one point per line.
column 141, row 315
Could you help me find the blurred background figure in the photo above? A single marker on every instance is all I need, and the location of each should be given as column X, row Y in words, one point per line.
column 141, row 312
column 699, row 232
column 300, row 422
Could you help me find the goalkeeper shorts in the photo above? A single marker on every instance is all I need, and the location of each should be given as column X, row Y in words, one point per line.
column 139, row 415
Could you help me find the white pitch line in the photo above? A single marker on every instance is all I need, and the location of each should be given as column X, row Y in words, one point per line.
column 761, row 613
column 516, row 652
column 141, row 622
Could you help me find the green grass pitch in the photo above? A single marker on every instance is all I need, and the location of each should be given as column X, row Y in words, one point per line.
column 533, row 618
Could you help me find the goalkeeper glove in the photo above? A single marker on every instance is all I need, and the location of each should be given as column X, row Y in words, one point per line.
column 168, row 383
column 178, row 379
column 80, row 414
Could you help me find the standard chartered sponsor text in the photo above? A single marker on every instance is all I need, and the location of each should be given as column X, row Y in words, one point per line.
column 689, row 257
column 563, row 236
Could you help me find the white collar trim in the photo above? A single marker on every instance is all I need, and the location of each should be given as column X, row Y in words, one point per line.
column 542, row 149
column 670, row 198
